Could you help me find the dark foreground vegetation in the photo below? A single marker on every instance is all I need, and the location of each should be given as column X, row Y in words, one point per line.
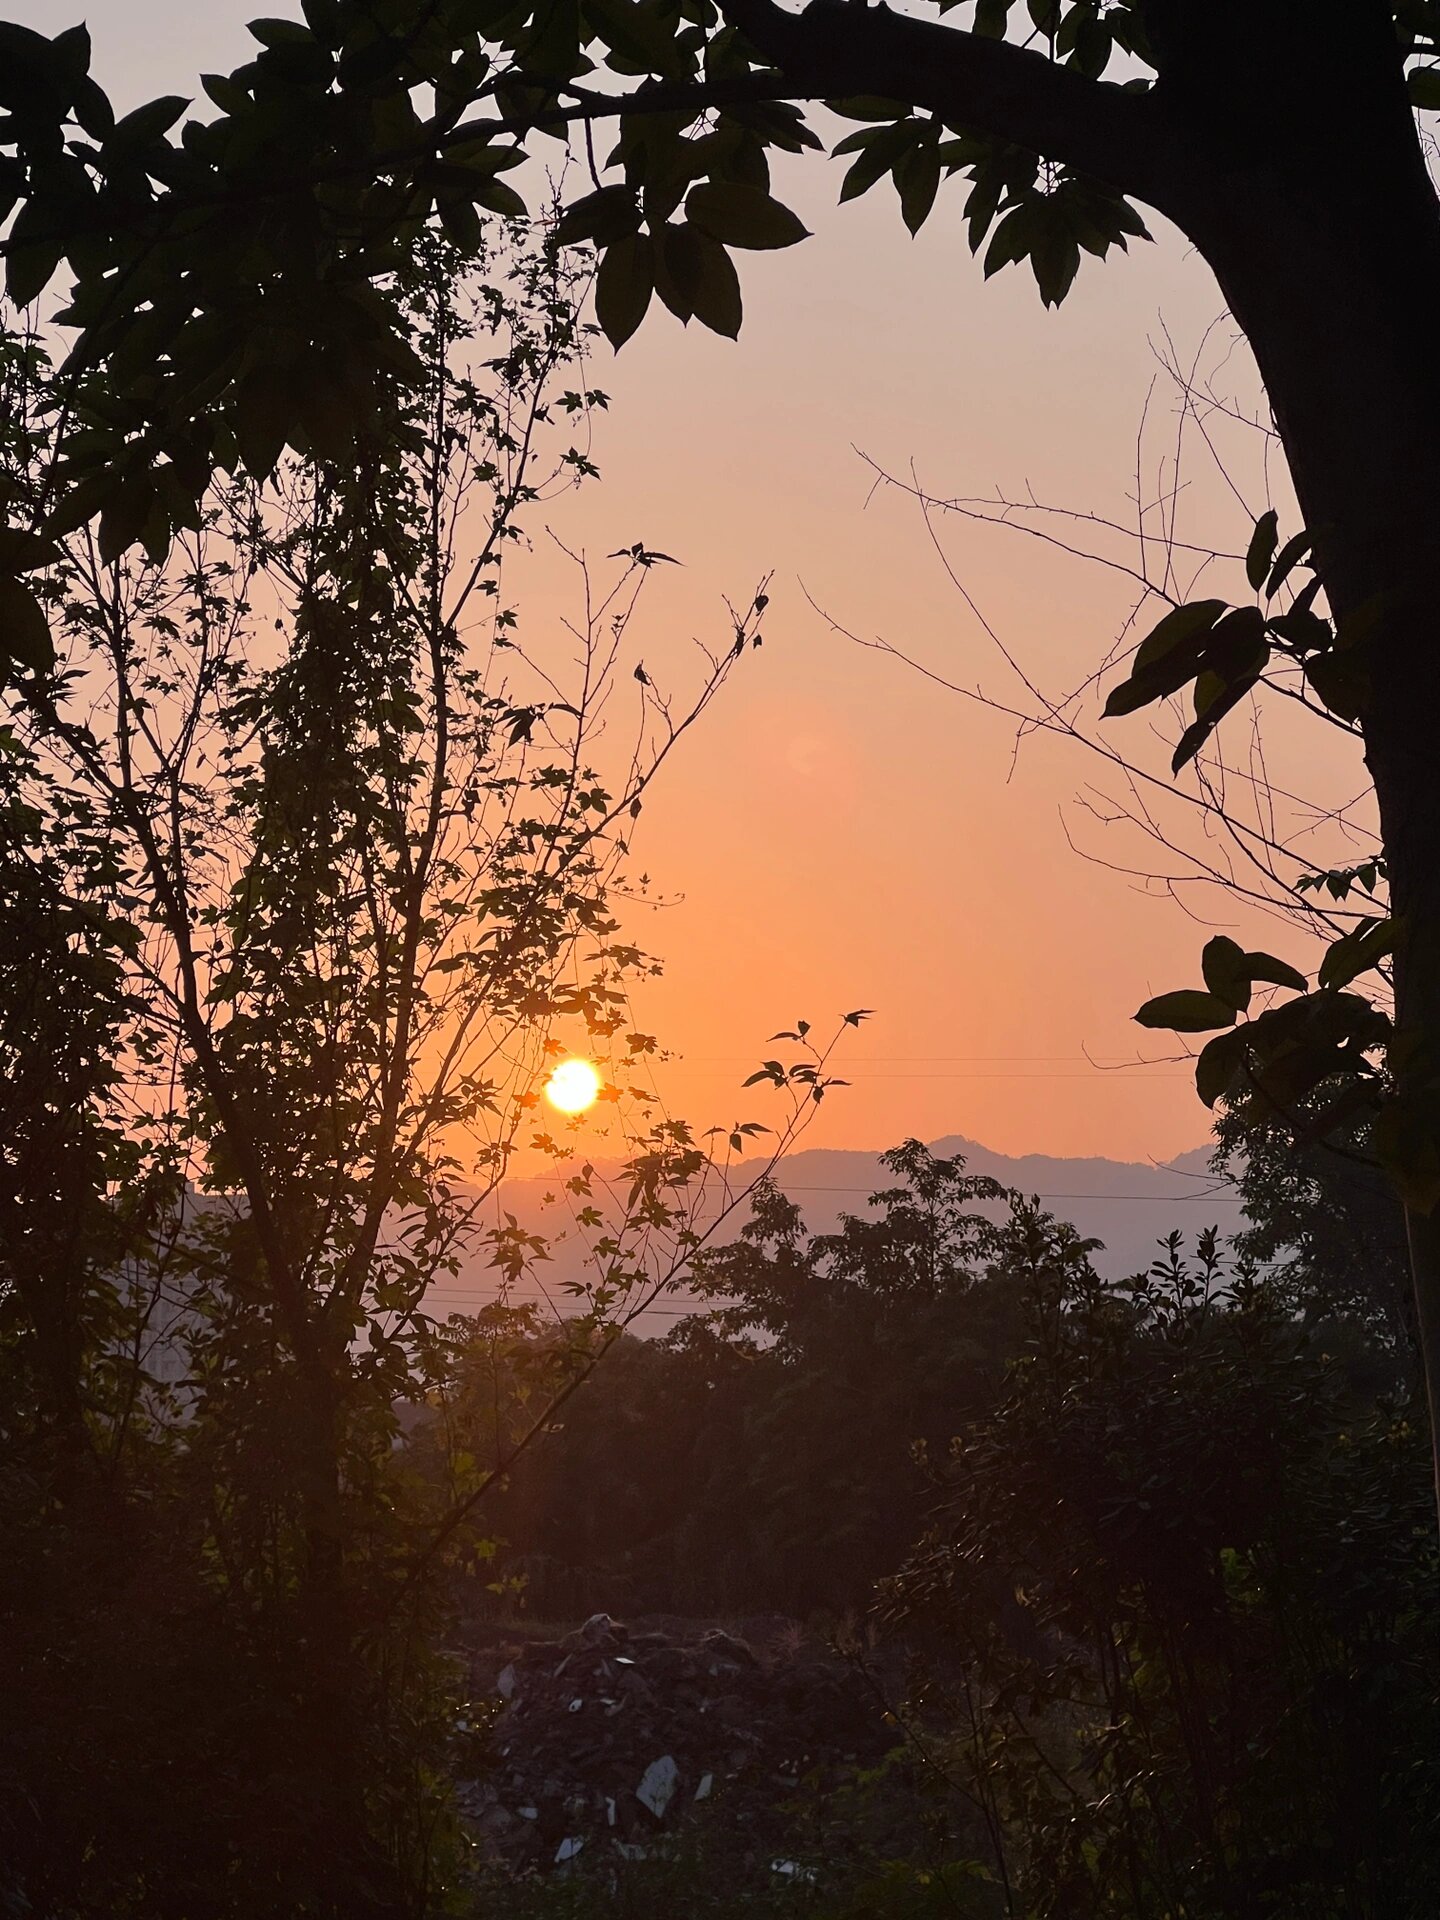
column 1124, row 1597
column 1166, row 1585
column 1133, row 1589
column 1064, row 1598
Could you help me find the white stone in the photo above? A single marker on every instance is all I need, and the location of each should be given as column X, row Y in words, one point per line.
column 792, row 1870
column 657, row 1785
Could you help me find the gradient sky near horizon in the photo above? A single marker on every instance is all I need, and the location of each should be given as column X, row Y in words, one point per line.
column 840, row 831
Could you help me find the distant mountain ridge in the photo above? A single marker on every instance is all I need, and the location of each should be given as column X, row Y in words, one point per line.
column 1127, row 1205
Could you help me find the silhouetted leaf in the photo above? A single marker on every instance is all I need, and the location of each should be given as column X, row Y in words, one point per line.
column 1181, row 624
column 124, row 517
column 265, row 414
column 22, row 551
column 604, row 217
column 1303, row 631
column 1262, row 548
column 35, row 249
column 644, row 41
column 144, row 126
column 24, row 627
column 86, row 499
column 868, row 106
column 917, row 180
column 1166, row 658
column 227, row 95
column 1188, row 1011
column 1276, row 973
column 1218, row 1062
column 1226, row 974
column 1231, row 972
column 1288, row 558
column 462, row 223
column 1356, row 952
column 878, row 150
column 706, row 277
column 624, row 286
column 497, row 196
column 1054, row 258
column 1012, row 239
column 740, row 216
column 1232, row 657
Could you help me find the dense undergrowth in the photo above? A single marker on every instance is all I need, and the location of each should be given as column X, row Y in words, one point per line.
column 1169, row 1603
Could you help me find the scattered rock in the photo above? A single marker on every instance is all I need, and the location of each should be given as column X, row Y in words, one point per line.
column 791, row 1870
column 609, row 1737
column 725, row 1646
column 657, row 1785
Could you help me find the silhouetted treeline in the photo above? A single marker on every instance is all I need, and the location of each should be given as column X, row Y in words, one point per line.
column 1173, row 1537
column 786, row 1449
column 760, row 1456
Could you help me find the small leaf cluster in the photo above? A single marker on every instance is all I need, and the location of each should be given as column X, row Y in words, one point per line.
column 1323, row 1040
column 1338, row 881
column 1084, row 34
column 1223, row 652
column 669, row 229
column 806, row 1079
column 1018, row 208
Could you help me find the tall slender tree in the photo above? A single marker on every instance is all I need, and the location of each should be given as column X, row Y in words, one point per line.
column 308, row 856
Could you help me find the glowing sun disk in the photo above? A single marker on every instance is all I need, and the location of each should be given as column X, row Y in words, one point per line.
column 573, row 1086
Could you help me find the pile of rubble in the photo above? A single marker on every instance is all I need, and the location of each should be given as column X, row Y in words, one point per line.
column 607, row 1739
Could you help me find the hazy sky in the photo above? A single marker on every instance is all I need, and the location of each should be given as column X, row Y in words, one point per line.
column 840, row 832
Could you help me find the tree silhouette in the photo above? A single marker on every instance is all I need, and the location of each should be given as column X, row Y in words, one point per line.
column 225, row 285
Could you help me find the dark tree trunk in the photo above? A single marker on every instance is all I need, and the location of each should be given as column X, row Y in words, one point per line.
column 1307, row 194
column 347, row 1857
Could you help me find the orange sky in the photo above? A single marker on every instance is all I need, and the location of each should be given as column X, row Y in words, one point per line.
column 840, row 833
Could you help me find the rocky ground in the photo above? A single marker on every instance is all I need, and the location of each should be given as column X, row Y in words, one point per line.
column 608, row 1739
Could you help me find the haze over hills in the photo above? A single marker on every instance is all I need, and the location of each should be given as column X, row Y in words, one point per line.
column 1126, row 1205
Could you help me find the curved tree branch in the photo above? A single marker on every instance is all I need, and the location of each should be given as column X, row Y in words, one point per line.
column 837, row 47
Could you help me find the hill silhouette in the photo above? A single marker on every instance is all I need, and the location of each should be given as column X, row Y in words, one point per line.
column 1128, row 1206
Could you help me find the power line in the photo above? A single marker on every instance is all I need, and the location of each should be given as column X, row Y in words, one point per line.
column 664, row 1313
column 1129, row 1080
column 1160, row 1199
column 1163, row 1199
column 1099, row 1066
column 471, row 1296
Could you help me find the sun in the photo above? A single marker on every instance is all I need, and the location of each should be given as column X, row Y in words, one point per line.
column 573, row 1086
